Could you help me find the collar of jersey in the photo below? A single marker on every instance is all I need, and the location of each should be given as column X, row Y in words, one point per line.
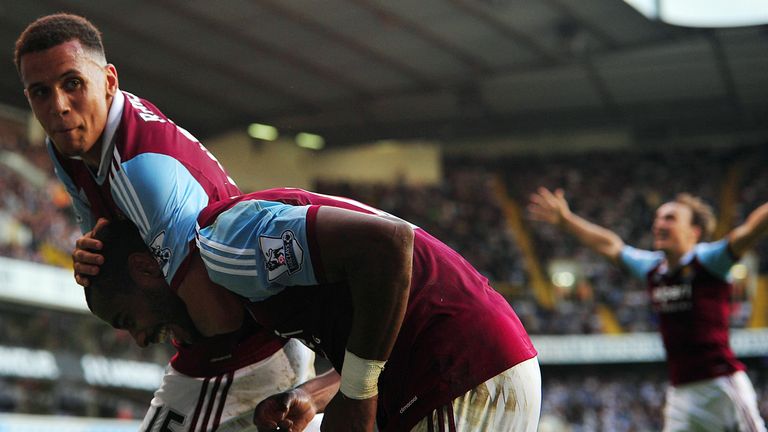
column 684, row 261
column 108, row 142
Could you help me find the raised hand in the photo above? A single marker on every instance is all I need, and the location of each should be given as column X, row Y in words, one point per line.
column 85, row 260
column 548, row 207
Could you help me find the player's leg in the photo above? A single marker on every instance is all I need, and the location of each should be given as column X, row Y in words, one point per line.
column 301, row 359
column 695, row 407
column 287, row 368
column 510, row 401
column 744, row 400
column 225, row 402
column 180, row 400
column 719, row 404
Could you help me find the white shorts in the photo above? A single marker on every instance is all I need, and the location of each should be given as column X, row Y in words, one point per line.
column 225, row 403
column 726, row 403
column 510, row 401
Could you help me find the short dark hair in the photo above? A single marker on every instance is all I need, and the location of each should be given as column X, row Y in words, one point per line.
column 702, row 214
column 52, row 30
column 119, row 240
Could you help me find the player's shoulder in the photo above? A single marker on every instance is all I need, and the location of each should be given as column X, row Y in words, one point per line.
column 716, row 256
column 137, row 108
column 141, row 120
column 145, row 129
column 712, row 250
column 631, row 253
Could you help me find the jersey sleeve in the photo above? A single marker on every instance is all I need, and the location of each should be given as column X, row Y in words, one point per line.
column 715, row 257
column 163, row 199
column 80, row 203
column 639, row 262
column 257, row 248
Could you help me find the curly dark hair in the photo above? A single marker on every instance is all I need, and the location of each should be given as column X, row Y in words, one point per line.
column 52, row 30
column 120, row 238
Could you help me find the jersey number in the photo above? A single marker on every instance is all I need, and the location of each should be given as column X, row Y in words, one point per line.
column 174, row 417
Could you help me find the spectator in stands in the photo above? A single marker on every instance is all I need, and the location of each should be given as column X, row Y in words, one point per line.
column 687, row 281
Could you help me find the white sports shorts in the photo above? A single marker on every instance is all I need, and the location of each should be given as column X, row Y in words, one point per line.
column 726, row 403
column 510, row 401
column 225, row 403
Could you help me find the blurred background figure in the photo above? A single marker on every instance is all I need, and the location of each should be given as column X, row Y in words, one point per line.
column 690, row 291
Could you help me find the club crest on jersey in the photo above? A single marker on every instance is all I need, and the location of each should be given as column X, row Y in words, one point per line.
column 162, row 254
column 281, row 254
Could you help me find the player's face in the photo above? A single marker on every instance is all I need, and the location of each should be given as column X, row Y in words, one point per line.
column 70, row 91
column 672, row 229
column 150, row 315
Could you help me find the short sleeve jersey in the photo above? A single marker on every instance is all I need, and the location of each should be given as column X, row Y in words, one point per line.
column 457, row 332
column 159, row 176
column 693, row 304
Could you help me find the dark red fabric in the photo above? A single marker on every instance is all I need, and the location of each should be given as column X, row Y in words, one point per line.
column 693, row 306
column 457, row 333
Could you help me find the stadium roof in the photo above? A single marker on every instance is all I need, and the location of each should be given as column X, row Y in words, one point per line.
column 361, row 70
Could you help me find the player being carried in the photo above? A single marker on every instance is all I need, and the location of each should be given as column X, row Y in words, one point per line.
column 688, row 284
column 421, row 340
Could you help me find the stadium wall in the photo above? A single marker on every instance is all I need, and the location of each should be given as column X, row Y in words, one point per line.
column 264, row 164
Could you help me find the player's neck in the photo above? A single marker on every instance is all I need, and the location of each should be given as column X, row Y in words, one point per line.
column 674, row 257
column 92, row 157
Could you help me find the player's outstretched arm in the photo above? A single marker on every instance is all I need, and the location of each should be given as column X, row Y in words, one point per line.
column 553, row 208
column 746, row 235
column 292, row 410
column 85, row 259
column 373, row 255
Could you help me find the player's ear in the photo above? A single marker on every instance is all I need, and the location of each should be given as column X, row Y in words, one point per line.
column 143, row 267
column 697, row 232
column 111, row 79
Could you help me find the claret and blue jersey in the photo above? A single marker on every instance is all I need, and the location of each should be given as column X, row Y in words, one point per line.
column 258, row 247
column 262, row 246
column 159, row 176
column 693, row 303
column 152, row 172
column 715, row 257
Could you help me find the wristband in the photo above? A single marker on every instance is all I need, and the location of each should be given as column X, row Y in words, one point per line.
column 360, row 377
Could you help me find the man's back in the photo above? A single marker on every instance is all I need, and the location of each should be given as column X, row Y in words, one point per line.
column 452, row 314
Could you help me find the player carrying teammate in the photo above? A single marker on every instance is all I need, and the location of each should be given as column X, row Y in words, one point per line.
column 121, row 158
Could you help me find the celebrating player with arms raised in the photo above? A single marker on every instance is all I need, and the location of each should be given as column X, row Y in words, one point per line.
column 689, row 289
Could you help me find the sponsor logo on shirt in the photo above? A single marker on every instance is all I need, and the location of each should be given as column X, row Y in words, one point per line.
column 672, row 298
column 281, row 254
column 408, row 405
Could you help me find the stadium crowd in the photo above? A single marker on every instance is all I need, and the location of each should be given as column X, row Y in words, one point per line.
column 462, row 211
column 36, row 217
column 37, row 224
